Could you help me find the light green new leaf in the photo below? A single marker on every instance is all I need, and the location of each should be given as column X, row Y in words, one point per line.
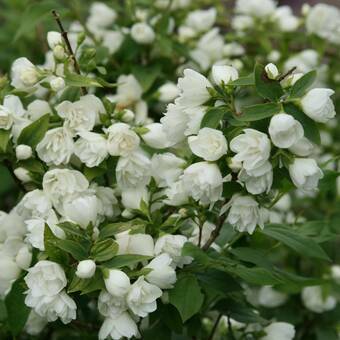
column 146, row 75
column 120, row 261
column 265, row 87
column 291, row 238
column 244, row 81
column 32, row 134
column 258, row 112
column 104, row 250
column 17, row 311
column 186, row 296
column 303, row 84
column 54, row 253
column 77, row 80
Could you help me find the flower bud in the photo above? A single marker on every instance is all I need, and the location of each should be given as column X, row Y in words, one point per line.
column 142, row 33
column 29, row 76
column 223, row 74
column 57, row 84
column 117, row 282
column 272, row 71
column 9, row 270
column 24, row 258
column 54, row 39
column 168, row 92
column 291, row 79
column 274, row 56
column 59, row 52
column 128, row 116
column 6, row 118
column 23, row 151
column 22, row 174
column 86, row 269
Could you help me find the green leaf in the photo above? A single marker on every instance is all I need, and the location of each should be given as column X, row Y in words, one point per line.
column 91, row 173
column 104, row 250
column 303, row 84
column 120, row 261
column 291, row 238
column 244, row 81
column 32, row 134
column 135, row 225
column 213, row 117
column 33, row 165
column 86, row 286
column 74, row 248
column 77, row 80
column 251, row 255
column 72, row 229
column 310, row 127
column 146, row 75
column 4, row 139
column 17, row 311
column 186, row 296
column 258, row 112
column 265, row 87
column 54, row 253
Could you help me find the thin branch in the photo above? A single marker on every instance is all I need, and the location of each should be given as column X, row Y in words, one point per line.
column 285, row 75
column 68, row 46
column 214, row 234
column 212, row 333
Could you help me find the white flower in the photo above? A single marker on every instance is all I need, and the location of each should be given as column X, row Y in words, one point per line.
column 133, row 170
column 305, row 173
column 258, row 180
column 56, row 147
column 118, row 327
column 285, row 19
column 304, row 61
column 136, row 244
column 86, row 269
column 211, row 44
column 81, row 209
column 112, row 40
column 109, row 305
column 58, row 183
column 241, row 23
column 24, row 257
column 107, row 203
column 314, row 299
column 193, row 88
column 121, row 140
column 176, row 194
column 82, row 114
column 324, row 21
column 162, row 274
column 129, row 91
column 279, row 331
column 271, row 298
column 101, row 15
column 155, row 137
column 117, row 283
column 9, row 272
column 209, row 144
column 172, row 245
column 52, row 307
column 6, row 118
column 22, row 174
column 166, row 168
column 252, row 148
column 142, row 297
column 271, row 71
column 174, row 123
column 201, row 20
column 53, row 39
column 23, row 152
column 57, row 83
column 128, row 116
column 45, row 278
column 233, row 49
column 24, row 74
column 203, row 182
column 335, row 273
column 223, row 74
column 244, row 214
column 274, row 56
column 317, row 105
column 302, row 147
column 142, row 33
column 168, row 92
column 37, row 109
column 35, row 323
column 255, row 8
column 132, row 197
column 284, row 130
column 90, row 148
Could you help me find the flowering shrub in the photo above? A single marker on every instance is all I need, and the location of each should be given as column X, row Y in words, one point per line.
column 157, row 161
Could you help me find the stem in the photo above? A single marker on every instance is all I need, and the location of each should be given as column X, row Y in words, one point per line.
column 68, row 46
column 285, row 75
column 214, row 234
column 212, row 333
column 230, row 329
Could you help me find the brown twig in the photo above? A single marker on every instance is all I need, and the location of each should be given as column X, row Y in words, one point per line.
column 214, row 234
column 285, row 75
column 212, row 333
column 68, row 46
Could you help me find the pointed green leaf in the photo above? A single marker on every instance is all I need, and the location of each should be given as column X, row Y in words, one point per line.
column 32, row 134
